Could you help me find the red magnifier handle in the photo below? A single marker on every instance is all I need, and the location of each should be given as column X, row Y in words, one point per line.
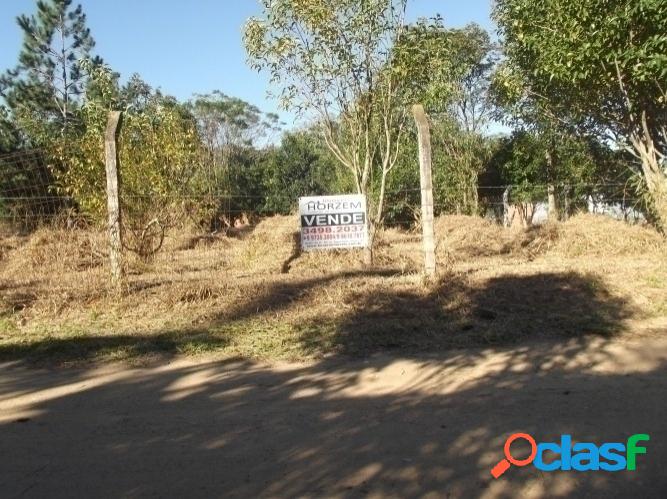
column 500, row 468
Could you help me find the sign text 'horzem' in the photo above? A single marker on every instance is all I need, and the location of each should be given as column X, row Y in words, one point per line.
column 329, row 222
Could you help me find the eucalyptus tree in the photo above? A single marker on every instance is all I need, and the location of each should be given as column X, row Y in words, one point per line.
column 333, row 61
column 228, row 123
column 448, row 71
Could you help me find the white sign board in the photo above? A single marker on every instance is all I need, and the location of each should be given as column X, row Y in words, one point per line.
column 329, row 222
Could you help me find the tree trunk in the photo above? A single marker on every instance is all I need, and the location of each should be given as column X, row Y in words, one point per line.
column 368, row 255
column 567, row 204
column 551, row 188
column 368, row 250
column 553, row 203
column 370, row 223
column 507, row 218
column 654, row 175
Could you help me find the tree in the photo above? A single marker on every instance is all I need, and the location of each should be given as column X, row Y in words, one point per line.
column 46, row 86
column 580, row 167
column 333, row 59
column 9, row 136
column 596, row 66
column 228, row 124
column 473, row 106
column 230, row 128
column 301, row 166
column 448, row 71
column 159, row 157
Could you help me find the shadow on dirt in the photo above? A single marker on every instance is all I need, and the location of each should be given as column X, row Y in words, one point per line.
column 504, row 310
column 432, row 422
column 453, row 313
column 381, row 427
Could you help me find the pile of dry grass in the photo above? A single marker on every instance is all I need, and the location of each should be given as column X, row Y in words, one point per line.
column 7, row 245
column 460, row 237
column 52, row 270
column 464, row 237
column 266, row 247
column 55, row 253
column 274, row 247
column 597, row 235
column 265, row 297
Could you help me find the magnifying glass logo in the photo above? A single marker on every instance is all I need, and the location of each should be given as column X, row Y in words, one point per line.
column 509, row 460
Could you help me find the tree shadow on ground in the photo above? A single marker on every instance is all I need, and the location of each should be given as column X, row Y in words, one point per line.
column 538, row 358
column 455, row 312
column 502, row 310
column 280, row 295
column 382, row 427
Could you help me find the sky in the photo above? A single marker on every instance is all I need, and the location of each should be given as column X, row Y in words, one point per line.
column 195, row 46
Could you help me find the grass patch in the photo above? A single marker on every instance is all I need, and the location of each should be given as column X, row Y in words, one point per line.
column 257, row 296
column 7, row 326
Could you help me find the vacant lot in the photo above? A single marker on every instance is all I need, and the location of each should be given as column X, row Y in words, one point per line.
column 252, row 294
column 556, row 330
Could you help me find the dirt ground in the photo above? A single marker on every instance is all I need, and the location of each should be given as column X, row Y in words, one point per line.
column 386, row 426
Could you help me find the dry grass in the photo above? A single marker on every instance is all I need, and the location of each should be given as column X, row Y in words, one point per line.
column 596, row 235
column 253, row 293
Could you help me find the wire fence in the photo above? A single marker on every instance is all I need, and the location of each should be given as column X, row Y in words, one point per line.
column 30, row 197
column 55, row 248
column 158, row 226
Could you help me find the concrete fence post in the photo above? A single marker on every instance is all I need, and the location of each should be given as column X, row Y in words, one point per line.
column 424, row 132
column 114, row 124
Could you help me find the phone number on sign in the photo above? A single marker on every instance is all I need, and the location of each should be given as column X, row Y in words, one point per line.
column 333, row 230
column 331, row 237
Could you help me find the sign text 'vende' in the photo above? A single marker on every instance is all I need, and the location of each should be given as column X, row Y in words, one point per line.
column 329, row 222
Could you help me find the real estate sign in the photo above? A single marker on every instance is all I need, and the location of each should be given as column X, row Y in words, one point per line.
column 329, row 222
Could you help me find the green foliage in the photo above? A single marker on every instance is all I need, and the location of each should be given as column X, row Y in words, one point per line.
column 26, row 189
column 230, row 129
column 521, row 163
column 310, row 47
column 579, row 168
column 9, row 135
column 159, row 155
column 403, row 191
column 425, row 61
column 570, row 55
column 332, row 60
column 226, row 122
column 596, row 66
column 446, row 70
column 460, row 156
column 301, row 166
column 44, row 90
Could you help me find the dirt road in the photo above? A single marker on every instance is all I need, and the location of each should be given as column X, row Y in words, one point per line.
column 383, row 427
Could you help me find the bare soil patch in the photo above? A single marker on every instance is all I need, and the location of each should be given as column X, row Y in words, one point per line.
column 426, row 426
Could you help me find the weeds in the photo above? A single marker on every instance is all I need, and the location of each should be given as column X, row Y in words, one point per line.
column 256, row 295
